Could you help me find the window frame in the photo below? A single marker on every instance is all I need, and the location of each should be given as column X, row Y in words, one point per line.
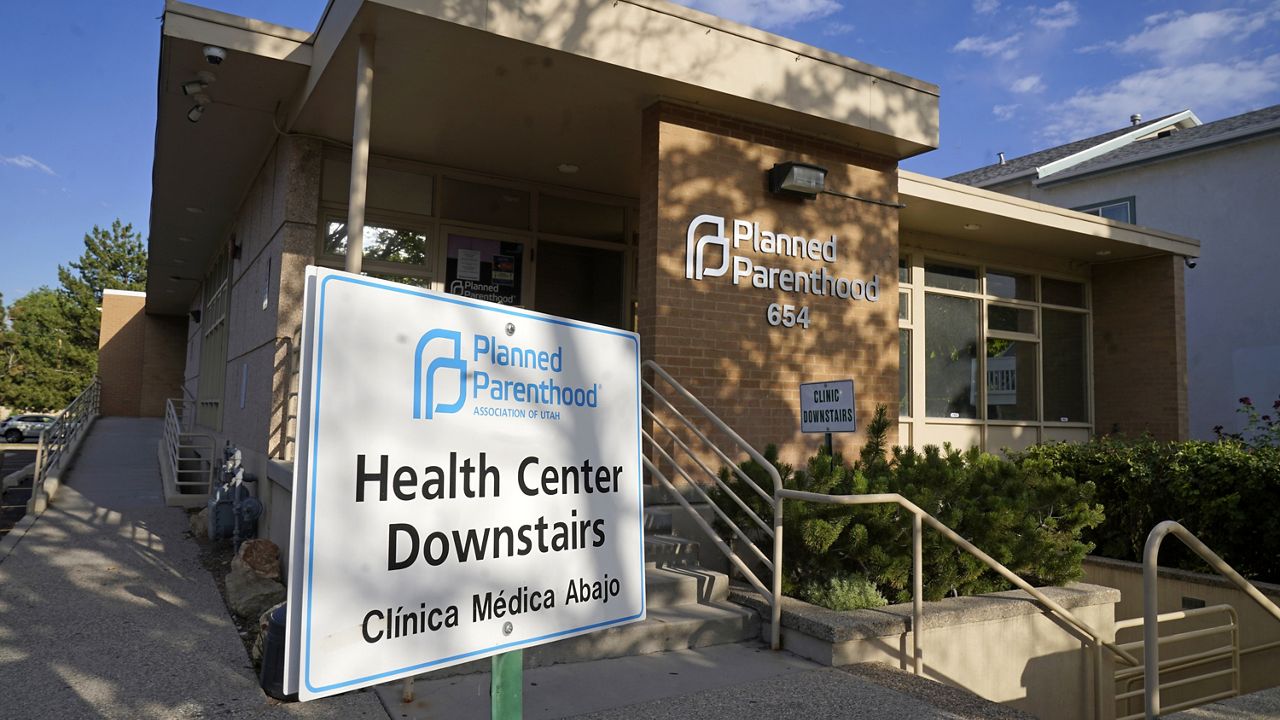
column 916, row 292
column 1130, row 203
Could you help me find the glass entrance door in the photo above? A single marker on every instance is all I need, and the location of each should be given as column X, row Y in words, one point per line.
column 583, row 282
column 486, row 268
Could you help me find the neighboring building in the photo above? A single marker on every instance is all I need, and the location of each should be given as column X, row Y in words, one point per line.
column 1215, row 182
column 608, row 162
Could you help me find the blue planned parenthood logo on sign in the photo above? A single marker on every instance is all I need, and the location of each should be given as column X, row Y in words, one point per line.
column 424, row 390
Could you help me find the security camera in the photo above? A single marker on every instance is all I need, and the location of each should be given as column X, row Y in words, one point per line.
column 1190, row 262
column 214, row 55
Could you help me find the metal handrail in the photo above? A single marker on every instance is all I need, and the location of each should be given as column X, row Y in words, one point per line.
column 177, row 439
column 1151, row 605
column 1229, row 652
column 780, row 493
column 63, row 433
column 774, row 594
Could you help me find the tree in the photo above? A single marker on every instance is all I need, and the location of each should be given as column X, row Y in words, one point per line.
column 114, row 258
column 46, row 369
column 50, row 351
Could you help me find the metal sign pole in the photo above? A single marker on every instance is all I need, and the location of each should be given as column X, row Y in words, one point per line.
column 831, row 460
column 506, row 696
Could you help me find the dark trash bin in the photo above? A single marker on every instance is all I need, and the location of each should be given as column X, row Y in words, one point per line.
column 272, row 674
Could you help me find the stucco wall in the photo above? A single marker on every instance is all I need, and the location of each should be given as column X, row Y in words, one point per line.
column 1225, row 198
column 712, row 335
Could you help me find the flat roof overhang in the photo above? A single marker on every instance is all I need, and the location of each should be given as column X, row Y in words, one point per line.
column 512, row 88
column 203, row 170
column 943, row 209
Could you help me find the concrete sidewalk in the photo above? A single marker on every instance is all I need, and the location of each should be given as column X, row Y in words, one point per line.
column 106, row 611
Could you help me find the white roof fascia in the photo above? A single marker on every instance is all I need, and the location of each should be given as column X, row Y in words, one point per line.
column 1201, row 144
column 1185, row 118
column 210, row 27
column 129, row 293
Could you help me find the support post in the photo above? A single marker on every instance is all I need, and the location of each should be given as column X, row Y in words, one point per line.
column 917, row 590
column 361, row 125
column 775, row 587
column 506, row 686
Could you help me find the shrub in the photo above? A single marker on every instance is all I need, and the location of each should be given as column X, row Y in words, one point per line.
column 842, row 592
column 1027, row 516
column 1227, row 492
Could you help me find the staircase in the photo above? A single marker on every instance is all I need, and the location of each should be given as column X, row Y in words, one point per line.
column 688, row 607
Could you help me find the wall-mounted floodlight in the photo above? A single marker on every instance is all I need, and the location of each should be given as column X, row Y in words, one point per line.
column 197, row 110
column 793, row 178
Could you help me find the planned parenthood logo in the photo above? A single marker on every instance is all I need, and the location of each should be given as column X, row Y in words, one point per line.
column 426, row 383
column 695, row 267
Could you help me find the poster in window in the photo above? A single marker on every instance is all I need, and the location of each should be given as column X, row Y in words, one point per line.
column 485, row 269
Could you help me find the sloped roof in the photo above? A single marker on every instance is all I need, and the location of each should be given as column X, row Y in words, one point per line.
column 1185, row 139
column 1231, row 128
column 1028, row 163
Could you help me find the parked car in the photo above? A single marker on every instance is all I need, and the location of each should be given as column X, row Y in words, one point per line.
column 19, row 427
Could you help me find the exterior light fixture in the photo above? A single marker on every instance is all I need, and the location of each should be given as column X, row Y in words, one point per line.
column 197, row 110
column 194, row 211
column 567, row 168
column 972, row 226
column 799, row 179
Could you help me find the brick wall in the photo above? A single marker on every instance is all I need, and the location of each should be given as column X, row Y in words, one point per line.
column 1139, row 341
column 712, row 335
column 140, row 357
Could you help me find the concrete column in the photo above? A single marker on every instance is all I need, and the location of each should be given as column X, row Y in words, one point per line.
column 360, row 154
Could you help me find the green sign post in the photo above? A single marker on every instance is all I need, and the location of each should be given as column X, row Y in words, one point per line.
column 506, row 686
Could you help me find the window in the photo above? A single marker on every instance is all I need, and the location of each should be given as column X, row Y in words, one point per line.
column 990, row 345
column 1122, row 210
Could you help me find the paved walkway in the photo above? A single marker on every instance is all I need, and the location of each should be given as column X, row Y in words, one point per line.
column 106, row 611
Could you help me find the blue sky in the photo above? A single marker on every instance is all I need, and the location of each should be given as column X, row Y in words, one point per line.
column 77, row 87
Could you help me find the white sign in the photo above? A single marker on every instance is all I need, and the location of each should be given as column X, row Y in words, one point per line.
column 827, row 407
column 467, row 482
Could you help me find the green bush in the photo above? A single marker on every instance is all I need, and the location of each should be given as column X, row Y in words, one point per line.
column 1227, row 492
column 1027, row 516
column 844, row 592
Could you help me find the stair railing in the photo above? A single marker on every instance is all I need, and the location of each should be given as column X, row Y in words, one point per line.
column 1151, row 614
column 184, row 447
column 773, row 595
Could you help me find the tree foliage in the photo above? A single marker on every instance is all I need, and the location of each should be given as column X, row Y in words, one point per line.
column 1027, row 516
column 49, row 337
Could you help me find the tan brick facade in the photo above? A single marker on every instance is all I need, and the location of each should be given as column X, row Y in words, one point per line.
column 140, row 357
column 1139, row 348
column 712, row 335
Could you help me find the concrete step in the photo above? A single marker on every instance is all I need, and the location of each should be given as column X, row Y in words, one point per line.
column 671, row 586
column 657, row 520
column 669, row 550
column 678, row 627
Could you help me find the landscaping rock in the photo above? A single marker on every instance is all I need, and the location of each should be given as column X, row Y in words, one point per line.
column 200, row 524
column 263, row 556
column 253, row 584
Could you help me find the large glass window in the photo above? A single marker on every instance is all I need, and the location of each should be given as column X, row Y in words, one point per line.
column 995, row 345
column 380, row 244
column 1065, row 366
column 951, row 356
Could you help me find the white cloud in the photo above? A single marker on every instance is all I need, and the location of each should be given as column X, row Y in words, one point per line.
column 833, row 29
column 1006, row 47
column 1177, row 36
column 985, row 7
column 1212, row 89
column 1028, row 84
column 1057, row 17
column 26, row 162
column 1004, row 112
column 767, row 13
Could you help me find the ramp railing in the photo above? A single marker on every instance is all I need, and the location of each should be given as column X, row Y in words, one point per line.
column 59, row 441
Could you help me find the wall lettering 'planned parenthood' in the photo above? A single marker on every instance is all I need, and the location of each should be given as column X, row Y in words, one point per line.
column 467, row 483
column 712, row 251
